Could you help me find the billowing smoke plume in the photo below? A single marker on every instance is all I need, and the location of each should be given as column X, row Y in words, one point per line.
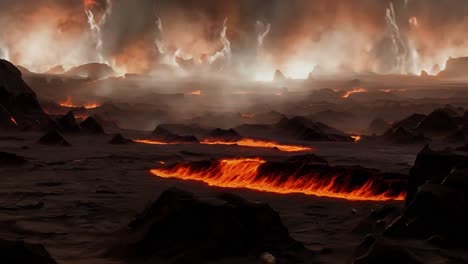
column 96, row 25
column 294, row 36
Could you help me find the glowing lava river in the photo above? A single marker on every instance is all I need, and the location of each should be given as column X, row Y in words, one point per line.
column 286, row 177
column 247, row 142
column 254, row 143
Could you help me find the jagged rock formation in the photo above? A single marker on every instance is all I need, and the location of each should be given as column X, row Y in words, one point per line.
column 182, row 228
column 18, row 100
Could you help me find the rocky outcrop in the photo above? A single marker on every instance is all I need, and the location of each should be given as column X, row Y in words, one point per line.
column 227, row 135
column 20, row 252
column 165, row 135
column 94, row 71
column 18, row 101
column 53, row 137
column 182, row 228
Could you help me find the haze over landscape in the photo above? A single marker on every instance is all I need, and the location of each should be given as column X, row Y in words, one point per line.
column 235, row 131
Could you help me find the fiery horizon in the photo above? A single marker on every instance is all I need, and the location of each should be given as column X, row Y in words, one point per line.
column 249, row 39
column 244, row 173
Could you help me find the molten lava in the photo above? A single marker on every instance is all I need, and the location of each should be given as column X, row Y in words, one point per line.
column 152, row 142
column 247, row 173
column 13, row 120
column 254, row 143
column 69, row 103
column 356, row 138
column 356, row 90
column 196, row 92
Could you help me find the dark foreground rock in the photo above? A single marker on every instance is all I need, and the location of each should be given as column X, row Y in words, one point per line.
column 20, row 252
column 19, row 100
column 375, row 250
column 53, row 137
column 10, row 159
column 181, row 228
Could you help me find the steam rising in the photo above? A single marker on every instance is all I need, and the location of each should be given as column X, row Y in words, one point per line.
column 296, row 36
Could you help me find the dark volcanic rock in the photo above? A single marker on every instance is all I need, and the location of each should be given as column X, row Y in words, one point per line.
column 458, row 136
column 164, row 135
column 68, row 123
column 374, row 250
column 411, row 122
column 19, row 100
column 377, row 220
column 92, row 126
column 229, row 135
column 9, row 159
column 52, row 137
column 185, row 229
column 301, row 128
column 6, row 122
column 463, row 148
column 378, row 126
column 20, row 252
column 438, row 209
column 94, row 71
column 432, row 166
column 439, row 122
column 118, row 139
column 400, row 135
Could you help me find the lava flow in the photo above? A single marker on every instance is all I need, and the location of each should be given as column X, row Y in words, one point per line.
column 356, row 90
column 254, row 143
column 247, row 173
column 356, row 138
column 152, row 142
column 69, row 103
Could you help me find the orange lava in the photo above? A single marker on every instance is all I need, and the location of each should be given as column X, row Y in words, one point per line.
column 356, row 90
column 247, row 142
column 13, row 120
column 88, row 4
column 69, row 103
column 197, row 92
column 356, row 138
column 152, row 142
column 244, row 173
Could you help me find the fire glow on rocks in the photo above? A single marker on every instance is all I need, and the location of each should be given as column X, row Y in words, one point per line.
column 246, row 173
column 69, row 103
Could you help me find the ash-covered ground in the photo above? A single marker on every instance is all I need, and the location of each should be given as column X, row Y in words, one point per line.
column 353, row 169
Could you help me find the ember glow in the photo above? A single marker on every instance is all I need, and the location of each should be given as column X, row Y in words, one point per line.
column 245, row 173
column 153, row 142
column 356, row 138
column 196, row 92
column 355, row 90
column 13, row 120
column 69, row 103
column 254, row 143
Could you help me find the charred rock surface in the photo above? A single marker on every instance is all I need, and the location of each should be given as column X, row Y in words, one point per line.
column 53, row 137
column 20, row 252
column 118, row 139
column 165, row 135
column 91, row 125
column 182, row 228
column 301, row 128
column 10, row 159
column 67, row 123
column 18, row 100
column 229, row 135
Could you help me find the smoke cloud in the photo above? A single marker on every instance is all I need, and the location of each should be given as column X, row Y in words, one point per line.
column 295, row 36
